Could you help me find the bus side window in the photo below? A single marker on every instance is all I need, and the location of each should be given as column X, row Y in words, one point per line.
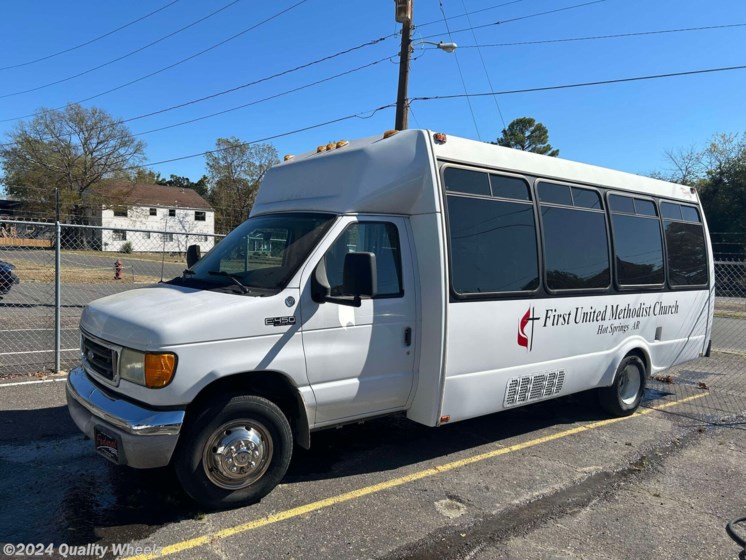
column 685, row 243
column 576, row 249
column 638, row 243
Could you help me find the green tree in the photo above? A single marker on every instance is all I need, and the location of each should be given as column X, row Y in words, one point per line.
column 144, row 176
column 72, row 149
column 526, row 134
column 719, row 173
column 722, row 190
column 235, row 169
column 186, row 183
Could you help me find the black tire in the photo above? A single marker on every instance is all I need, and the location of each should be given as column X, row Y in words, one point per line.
column 220, row 437
column 624, row 395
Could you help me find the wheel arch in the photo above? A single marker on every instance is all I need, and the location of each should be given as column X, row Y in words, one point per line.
column 272, row 385
column 634, row 348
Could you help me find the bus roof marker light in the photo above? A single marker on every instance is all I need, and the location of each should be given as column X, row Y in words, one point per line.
column 389, row 133
column 440, row 137
column 288, row 157
column 342, row 144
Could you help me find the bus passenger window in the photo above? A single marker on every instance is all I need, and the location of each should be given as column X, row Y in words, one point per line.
column 685, row 242
column 576, row 252
column 638, row 242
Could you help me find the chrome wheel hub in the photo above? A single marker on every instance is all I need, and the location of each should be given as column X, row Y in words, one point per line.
column 237, row 454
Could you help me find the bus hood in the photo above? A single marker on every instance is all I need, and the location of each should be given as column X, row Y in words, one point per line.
column 166, row 315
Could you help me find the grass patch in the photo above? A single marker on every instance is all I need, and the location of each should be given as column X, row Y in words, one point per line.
column 135, row 256
column 31, row 272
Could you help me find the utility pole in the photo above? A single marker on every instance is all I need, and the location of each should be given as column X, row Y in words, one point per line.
column 404, row 11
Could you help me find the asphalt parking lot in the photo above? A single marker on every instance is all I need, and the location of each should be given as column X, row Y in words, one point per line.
column 552, row 480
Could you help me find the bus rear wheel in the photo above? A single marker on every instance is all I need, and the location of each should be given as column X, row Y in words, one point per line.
column 624, row 395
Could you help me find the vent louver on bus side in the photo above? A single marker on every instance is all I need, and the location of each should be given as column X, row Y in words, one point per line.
column 531, row 388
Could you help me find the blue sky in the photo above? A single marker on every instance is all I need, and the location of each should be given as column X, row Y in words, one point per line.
column 623, row 126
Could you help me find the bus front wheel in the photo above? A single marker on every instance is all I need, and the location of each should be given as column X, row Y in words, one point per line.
column 234, row 451
column 624, row 395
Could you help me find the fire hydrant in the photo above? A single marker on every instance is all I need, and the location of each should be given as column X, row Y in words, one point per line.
column 118, row 269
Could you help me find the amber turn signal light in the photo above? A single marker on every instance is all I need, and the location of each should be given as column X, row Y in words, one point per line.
column 159, row 370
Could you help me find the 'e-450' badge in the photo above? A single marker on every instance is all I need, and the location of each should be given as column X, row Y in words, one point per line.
column 279, row 321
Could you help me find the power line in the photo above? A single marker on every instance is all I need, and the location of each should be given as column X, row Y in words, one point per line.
column 258, row 101
column 267, row 138
column 460, row 73
column 90, row 41
column 177, row 63
column 595, row 37
column 259, row 80
column 519, row 18
column 581, row 84
column 454, row 96
column 465, row 14
column 484, row 66
column 252, row 83
column 110, row 62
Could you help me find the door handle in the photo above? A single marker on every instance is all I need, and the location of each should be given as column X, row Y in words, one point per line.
column 408, row 336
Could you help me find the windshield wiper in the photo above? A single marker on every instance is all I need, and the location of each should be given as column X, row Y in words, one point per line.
column 244, row 289
column 188, row 272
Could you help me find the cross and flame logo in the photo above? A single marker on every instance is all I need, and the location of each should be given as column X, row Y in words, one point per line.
column 524, row 339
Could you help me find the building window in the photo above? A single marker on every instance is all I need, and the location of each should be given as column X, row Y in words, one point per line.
column 638, row 243
column 171, row 213
column 202, row 238
column 119, row 235
column 576, row 250
column 153, row 211
column 120, row 211
column 200, row 216
column 146, row 235
column 169, row 237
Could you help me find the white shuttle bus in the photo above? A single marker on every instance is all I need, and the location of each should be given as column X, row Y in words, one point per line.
column 412, row 273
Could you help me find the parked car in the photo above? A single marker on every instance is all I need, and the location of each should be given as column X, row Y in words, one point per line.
column 7, row 278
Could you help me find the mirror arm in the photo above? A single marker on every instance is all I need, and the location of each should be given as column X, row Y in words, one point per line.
column 351, row 301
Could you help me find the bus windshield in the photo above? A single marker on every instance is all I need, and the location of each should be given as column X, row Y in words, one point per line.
column 260, row 255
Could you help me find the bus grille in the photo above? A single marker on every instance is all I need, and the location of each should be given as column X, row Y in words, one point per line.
column 531, row 388
column 99, row 359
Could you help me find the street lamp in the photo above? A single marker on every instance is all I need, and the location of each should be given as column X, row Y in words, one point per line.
column 404, row 10
column 447, row 47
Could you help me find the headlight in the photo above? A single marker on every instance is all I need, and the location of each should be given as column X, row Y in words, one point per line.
column 154, row 370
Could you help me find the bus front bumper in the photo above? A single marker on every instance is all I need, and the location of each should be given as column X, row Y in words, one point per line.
column 123, row 432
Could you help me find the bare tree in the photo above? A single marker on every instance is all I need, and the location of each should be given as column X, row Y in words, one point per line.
column 72, row 149
column 235, row 170
column 686, row 166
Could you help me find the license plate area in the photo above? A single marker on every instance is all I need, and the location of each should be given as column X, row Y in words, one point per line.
column 107, row 445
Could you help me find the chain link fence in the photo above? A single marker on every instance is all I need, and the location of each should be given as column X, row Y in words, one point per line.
column 97, row 261
column 716, row 385
column 94, row 262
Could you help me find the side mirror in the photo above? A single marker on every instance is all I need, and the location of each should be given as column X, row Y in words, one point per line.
column 360, row 275
column 194, row 253
column 359, row 279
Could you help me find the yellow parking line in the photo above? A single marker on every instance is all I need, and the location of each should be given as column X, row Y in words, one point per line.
column 375, row 488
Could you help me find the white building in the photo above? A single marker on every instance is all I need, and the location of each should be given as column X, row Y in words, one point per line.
column 169, row 219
